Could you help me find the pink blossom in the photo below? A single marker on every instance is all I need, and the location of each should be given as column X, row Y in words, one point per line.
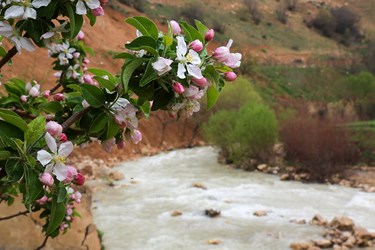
column 23, row 98
column 103, row 2
column 178, row 88
column 76, row 196
column 88, row 79
column 79, row 179
column 136, row 136
column 196, row 45
column 63, row 137
column 175, row 27
column 71, row 174
column 107, row 145
column 193, row 93
column 121, row 144
column 53, row 128
column 86, row 60
column 125, row 114
column 230, row 76
column 81, row 35
column 46, row 93
column 42, row 200
column 201, row 82
column 76, row 55
column 222, row 54
column 46, row 179
column 58, row 97
column 98, row 11
column 209, row 36
column 34, row 91
column 69, row 211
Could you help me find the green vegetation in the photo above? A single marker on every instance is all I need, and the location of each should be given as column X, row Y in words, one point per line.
column 244, row 127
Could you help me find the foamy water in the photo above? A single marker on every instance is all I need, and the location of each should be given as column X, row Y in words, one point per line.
column 136, row 214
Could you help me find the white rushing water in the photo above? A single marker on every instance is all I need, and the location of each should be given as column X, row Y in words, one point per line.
column 136, row 213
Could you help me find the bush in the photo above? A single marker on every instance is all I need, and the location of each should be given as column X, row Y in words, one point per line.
column 281, row 13
column 317, row 147
column 341, row 24
column 191, row 13
column 253, row 8
column 237, row 94
column 139, row 5
column 249, row 132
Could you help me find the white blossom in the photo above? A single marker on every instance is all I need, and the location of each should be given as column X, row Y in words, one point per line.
column 189, row 61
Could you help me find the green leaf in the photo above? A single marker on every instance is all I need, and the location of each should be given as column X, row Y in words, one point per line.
column 201, row 28
column 35, row 130
column 168, row 40
column 212, row 74
column 14, row 169
column 143, row 42
column 93, row 95
column 8, row 131
column 161, row 100
column 72, row 18
column 150, row 74
column 144, row 25
column 57, row 216
column 194, row 34
column 34, row 188
column 75, row 87
column 212, row 96
column 13, row 118
column 102, row 72
column 51, row 107
column 62, row 194
column 128, row 71
column 91, row 17
column 4, row 155
column 105, row 83
column 123, row 55
column 112, row 128
column 99, row 123
column 146, row 108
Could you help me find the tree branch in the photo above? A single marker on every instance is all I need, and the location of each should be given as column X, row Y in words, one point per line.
column 12, row 52
column 43, row 244
column 74, row 118
column 14, row 215
column 55, row 88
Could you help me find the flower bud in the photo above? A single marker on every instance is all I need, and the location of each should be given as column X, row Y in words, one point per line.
column 221, row 54
column 79, row 179
column 23, row 98
column 58, row 97
column 103, row 2
column 88, row 79
column 42, row 200
column 76, row 55
column 53, row 128
column 46, row 93
column 178, row 88
column 57, row 74
column 200, row 82
column 46, row 179
column 69, row 211
column 80, row 35
column 71, row 174
column 209, row 36
column 86, row 60
column 230, row 76
column 136, row 136
column 175, row 27
column 63, row 137
column 196, row 45
column 34, row 91
column 98, row 11
column 121, row 144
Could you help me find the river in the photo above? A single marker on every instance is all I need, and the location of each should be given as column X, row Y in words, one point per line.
column 135, row 214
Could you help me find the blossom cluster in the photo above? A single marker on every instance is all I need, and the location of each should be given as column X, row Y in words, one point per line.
column 27, row 12
column 184, row 65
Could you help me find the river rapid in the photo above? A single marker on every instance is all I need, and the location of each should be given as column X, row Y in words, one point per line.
column 135, row 214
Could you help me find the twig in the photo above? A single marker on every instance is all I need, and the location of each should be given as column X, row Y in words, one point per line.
column 55, row 88
column 74, row 118
column 12, row 52
column 14, row 215
column 43, row 244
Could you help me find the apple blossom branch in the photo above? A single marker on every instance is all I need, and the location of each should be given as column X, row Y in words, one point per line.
column 12, row 52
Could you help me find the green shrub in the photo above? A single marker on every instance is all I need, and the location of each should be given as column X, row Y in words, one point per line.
column 237, row 94
column 249, row 132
